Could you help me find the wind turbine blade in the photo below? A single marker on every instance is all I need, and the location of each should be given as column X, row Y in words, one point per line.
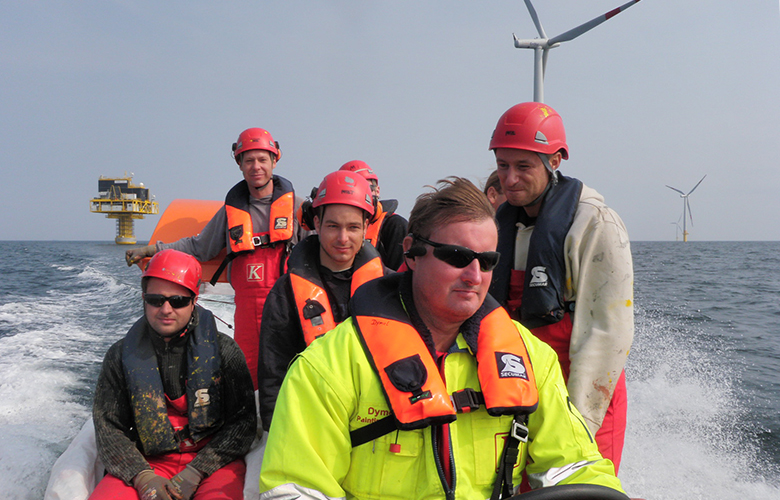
column 582, row 28
column 535, row 18
column 690, row 214
column 675, row 189
column 544, row 61
column 697, row 184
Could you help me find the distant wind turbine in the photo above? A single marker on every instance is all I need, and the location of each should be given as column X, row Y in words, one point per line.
column 542, row 45
column 679, row 229
column 686, row 207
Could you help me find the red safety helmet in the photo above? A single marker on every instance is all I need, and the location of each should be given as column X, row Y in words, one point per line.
column 362, row 168
column 176, row 267
column 533, row 126
column 255, row 138
column 345, row 188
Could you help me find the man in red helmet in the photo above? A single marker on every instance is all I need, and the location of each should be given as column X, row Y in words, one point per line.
column 324, row 271
column 258, row 228
column 174, row 407
column 565, row 270
column 387, row 229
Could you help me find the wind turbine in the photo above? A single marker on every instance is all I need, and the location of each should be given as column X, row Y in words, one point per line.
column 542, row 45
column 678, row 230
column 686, row 206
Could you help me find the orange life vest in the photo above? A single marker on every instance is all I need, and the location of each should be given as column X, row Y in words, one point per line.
column 240, row 232
column 411, row 381
column 241, row 235
column 372, row 233
column 311, row 300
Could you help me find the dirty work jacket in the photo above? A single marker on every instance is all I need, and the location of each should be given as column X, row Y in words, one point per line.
column 599, row 280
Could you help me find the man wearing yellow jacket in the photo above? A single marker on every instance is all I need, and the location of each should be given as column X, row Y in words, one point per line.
column 429, row 389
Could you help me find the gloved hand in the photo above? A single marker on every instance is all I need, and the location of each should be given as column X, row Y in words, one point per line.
column 186, row 482
column 135, row 254
column 150, row 486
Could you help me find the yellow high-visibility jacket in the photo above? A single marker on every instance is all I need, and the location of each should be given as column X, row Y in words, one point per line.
column 332, row 389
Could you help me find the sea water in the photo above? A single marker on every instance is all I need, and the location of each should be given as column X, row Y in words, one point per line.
column 703, row 374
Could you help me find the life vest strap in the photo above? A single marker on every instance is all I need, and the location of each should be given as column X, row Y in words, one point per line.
column 464, row 401
column 503, row 487
column 373, row 430
column 467, row 400
column 228, row 258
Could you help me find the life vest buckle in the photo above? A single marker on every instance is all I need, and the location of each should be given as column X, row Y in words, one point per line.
column 183, row 436
column 519, row 431
column 467, row 400
column 261, row 240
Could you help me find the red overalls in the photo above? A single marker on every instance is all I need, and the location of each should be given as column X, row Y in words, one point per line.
column 226, row 483
column 259, row 261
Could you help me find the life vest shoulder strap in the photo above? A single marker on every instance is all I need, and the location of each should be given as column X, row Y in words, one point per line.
column 372, row 233
column 313, row 307
column 367, row 266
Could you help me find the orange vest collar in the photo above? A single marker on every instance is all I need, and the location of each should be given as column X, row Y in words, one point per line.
column 414, row 388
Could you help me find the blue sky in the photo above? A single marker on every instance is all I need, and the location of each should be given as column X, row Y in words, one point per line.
column 664, row 93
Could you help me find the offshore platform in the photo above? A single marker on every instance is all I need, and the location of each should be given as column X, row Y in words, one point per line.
column 124, row 201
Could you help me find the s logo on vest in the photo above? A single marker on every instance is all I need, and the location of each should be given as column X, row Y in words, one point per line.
column 255, row 272
column 203, row 399
column 280, row 223
column 510, row 366
column 538, row 276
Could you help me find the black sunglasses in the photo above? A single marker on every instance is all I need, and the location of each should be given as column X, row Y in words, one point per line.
column 461, row 257
column 176, row 301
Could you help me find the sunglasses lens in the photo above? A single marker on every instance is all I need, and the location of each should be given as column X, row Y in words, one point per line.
column 488, row 260
column 154, row 300
column 176, row 301
column 179, row 301
column 461, row 257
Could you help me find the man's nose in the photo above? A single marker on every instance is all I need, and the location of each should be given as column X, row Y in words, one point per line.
column 472, row 274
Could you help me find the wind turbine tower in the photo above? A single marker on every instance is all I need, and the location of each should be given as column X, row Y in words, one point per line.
column 542, row 45
column 686, row 207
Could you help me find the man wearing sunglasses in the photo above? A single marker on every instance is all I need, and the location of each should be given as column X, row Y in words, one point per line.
column 257, row 227
column 429, row 388
column 565, row 270
column 174, row 407
column 324, row 270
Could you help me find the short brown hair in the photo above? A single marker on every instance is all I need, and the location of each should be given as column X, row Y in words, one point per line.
column 493, row 182
column 455, row 200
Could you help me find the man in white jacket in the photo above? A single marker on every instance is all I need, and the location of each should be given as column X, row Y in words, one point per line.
column 565, row 270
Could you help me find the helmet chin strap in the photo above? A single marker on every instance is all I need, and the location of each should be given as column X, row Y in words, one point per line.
column 553, row 180
column 263, row 186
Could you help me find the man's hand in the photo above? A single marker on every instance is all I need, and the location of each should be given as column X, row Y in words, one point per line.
column 135, row 254
column 186, row 482
column 150, row 486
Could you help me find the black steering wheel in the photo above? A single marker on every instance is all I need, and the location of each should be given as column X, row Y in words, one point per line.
column 573, row 492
